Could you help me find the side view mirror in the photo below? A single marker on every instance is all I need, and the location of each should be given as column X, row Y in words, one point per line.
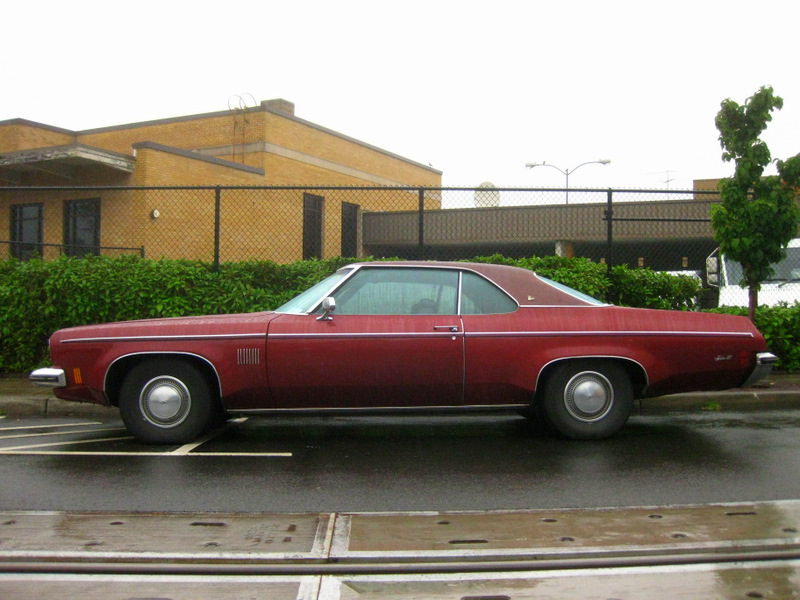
column 328, row 306
column 712, row 271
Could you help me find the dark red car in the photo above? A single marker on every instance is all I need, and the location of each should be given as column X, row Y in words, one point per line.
column 405, row 336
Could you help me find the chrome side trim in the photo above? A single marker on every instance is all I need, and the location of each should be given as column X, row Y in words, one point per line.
column 408, row 334
column 156, row 353
column 595, row 306
column 412, row 334
column 162, row 338
column 49, row 377
column 426, row 410
column 608, row 333
column 596, row 356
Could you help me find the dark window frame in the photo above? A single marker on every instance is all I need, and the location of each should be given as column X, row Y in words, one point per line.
column 81, row 222
column 350, row 229
column 21, row 247
column 313, row 218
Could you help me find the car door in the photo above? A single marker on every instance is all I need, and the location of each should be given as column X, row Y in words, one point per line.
column 498, row 371
column 394, row 340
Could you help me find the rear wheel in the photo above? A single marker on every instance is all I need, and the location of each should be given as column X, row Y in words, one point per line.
column 166, row 401
column 588, row 399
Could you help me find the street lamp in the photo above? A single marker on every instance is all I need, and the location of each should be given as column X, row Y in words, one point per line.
column 568, row 172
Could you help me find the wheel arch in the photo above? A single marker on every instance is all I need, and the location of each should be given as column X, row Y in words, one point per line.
column 121, row 366
column 634, row 369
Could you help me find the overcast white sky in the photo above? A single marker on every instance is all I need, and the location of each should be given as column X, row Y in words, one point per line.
column 477, row 89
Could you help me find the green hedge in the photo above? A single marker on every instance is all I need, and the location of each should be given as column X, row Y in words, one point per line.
column 641, row 288
column 38, row 297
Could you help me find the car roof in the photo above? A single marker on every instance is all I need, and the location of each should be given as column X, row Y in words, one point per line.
column 524, row 285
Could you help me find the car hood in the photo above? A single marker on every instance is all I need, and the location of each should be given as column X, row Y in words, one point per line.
column 237, row 324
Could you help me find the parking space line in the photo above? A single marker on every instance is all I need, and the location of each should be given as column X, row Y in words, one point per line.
column 185, row 450
column 52, row 433
column 22, row 451
column 84, row 424
column 28, row 449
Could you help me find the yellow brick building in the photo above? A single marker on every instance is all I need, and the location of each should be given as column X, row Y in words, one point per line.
column 61, row 189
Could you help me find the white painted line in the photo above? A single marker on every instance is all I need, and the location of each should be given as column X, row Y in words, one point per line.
column 340, row 544
column 187, row 448
column 29, row 435
column 323, row 535
column 14, row 449
column 86, row 453
column 50, row 426
column 329, row 534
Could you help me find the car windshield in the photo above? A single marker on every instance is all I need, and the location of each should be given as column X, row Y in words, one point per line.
column 305, row 302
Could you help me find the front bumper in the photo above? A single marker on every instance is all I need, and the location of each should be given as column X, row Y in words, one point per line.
column 764, row 362
column 49, row 377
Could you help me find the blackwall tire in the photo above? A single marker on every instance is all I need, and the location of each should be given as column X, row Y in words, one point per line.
column 166, row 401
column 588, row 399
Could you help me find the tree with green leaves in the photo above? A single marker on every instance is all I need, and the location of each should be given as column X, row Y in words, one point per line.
column 758, row 215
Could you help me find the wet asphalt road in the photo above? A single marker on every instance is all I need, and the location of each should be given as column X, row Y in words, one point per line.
column 307, row 464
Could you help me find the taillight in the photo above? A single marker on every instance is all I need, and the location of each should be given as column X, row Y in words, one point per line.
column 744, row 358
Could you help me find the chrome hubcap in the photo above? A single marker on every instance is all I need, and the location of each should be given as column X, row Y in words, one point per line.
column 589, row 396
column 165, row 401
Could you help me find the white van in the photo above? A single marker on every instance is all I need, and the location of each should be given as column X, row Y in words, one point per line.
column 783, row 287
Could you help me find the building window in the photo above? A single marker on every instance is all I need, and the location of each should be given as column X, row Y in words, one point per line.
column 350, row 229
column 26, row 230
column 82, row 227
column 312, row 226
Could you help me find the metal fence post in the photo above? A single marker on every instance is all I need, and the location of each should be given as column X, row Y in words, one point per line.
column 609, row 237
column 421, row 226
column 609, row 228
column 217, row 207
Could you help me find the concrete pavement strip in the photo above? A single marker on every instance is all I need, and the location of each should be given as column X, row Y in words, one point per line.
column 403, row 542
column 742, row 550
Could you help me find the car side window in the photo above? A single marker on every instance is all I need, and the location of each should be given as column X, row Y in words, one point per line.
column 480, row 296
column 399, row 291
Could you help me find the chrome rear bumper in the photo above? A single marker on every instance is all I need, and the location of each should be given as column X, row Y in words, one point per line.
column 49, row 377
column 764, row 362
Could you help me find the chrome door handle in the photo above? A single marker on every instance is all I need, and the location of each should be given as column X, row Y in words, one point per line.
column 451, row 328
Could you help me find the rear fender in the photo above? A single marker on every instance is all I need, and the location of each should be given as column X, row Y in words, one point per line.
column 635, row 370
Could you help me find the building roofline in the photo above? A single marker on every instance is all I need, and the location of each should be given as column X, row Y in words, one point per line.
column 20, row 121
column 197, row 156
column 264, row 107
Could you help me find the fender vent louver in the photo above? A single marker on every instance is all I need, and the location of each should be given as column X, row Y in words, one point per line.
column 248, row 356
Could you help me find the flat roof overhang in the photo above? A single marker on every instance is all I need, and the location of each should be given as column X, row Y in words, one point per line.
column 60, row 161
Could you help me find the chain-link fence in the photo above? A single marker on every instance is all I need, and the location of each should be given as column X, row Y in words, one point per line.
column 666, row 230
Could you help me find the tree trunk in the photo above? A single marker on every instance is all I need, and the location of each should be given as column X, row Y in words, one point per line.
column 751, row 310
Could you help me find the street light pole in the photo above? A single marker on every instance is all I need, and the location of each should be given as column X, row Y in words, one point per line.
column 568, row 172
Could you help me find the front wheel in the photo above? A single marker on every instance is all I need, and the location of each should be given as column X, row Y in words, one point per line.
column 588, row 399
column 166, row 401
